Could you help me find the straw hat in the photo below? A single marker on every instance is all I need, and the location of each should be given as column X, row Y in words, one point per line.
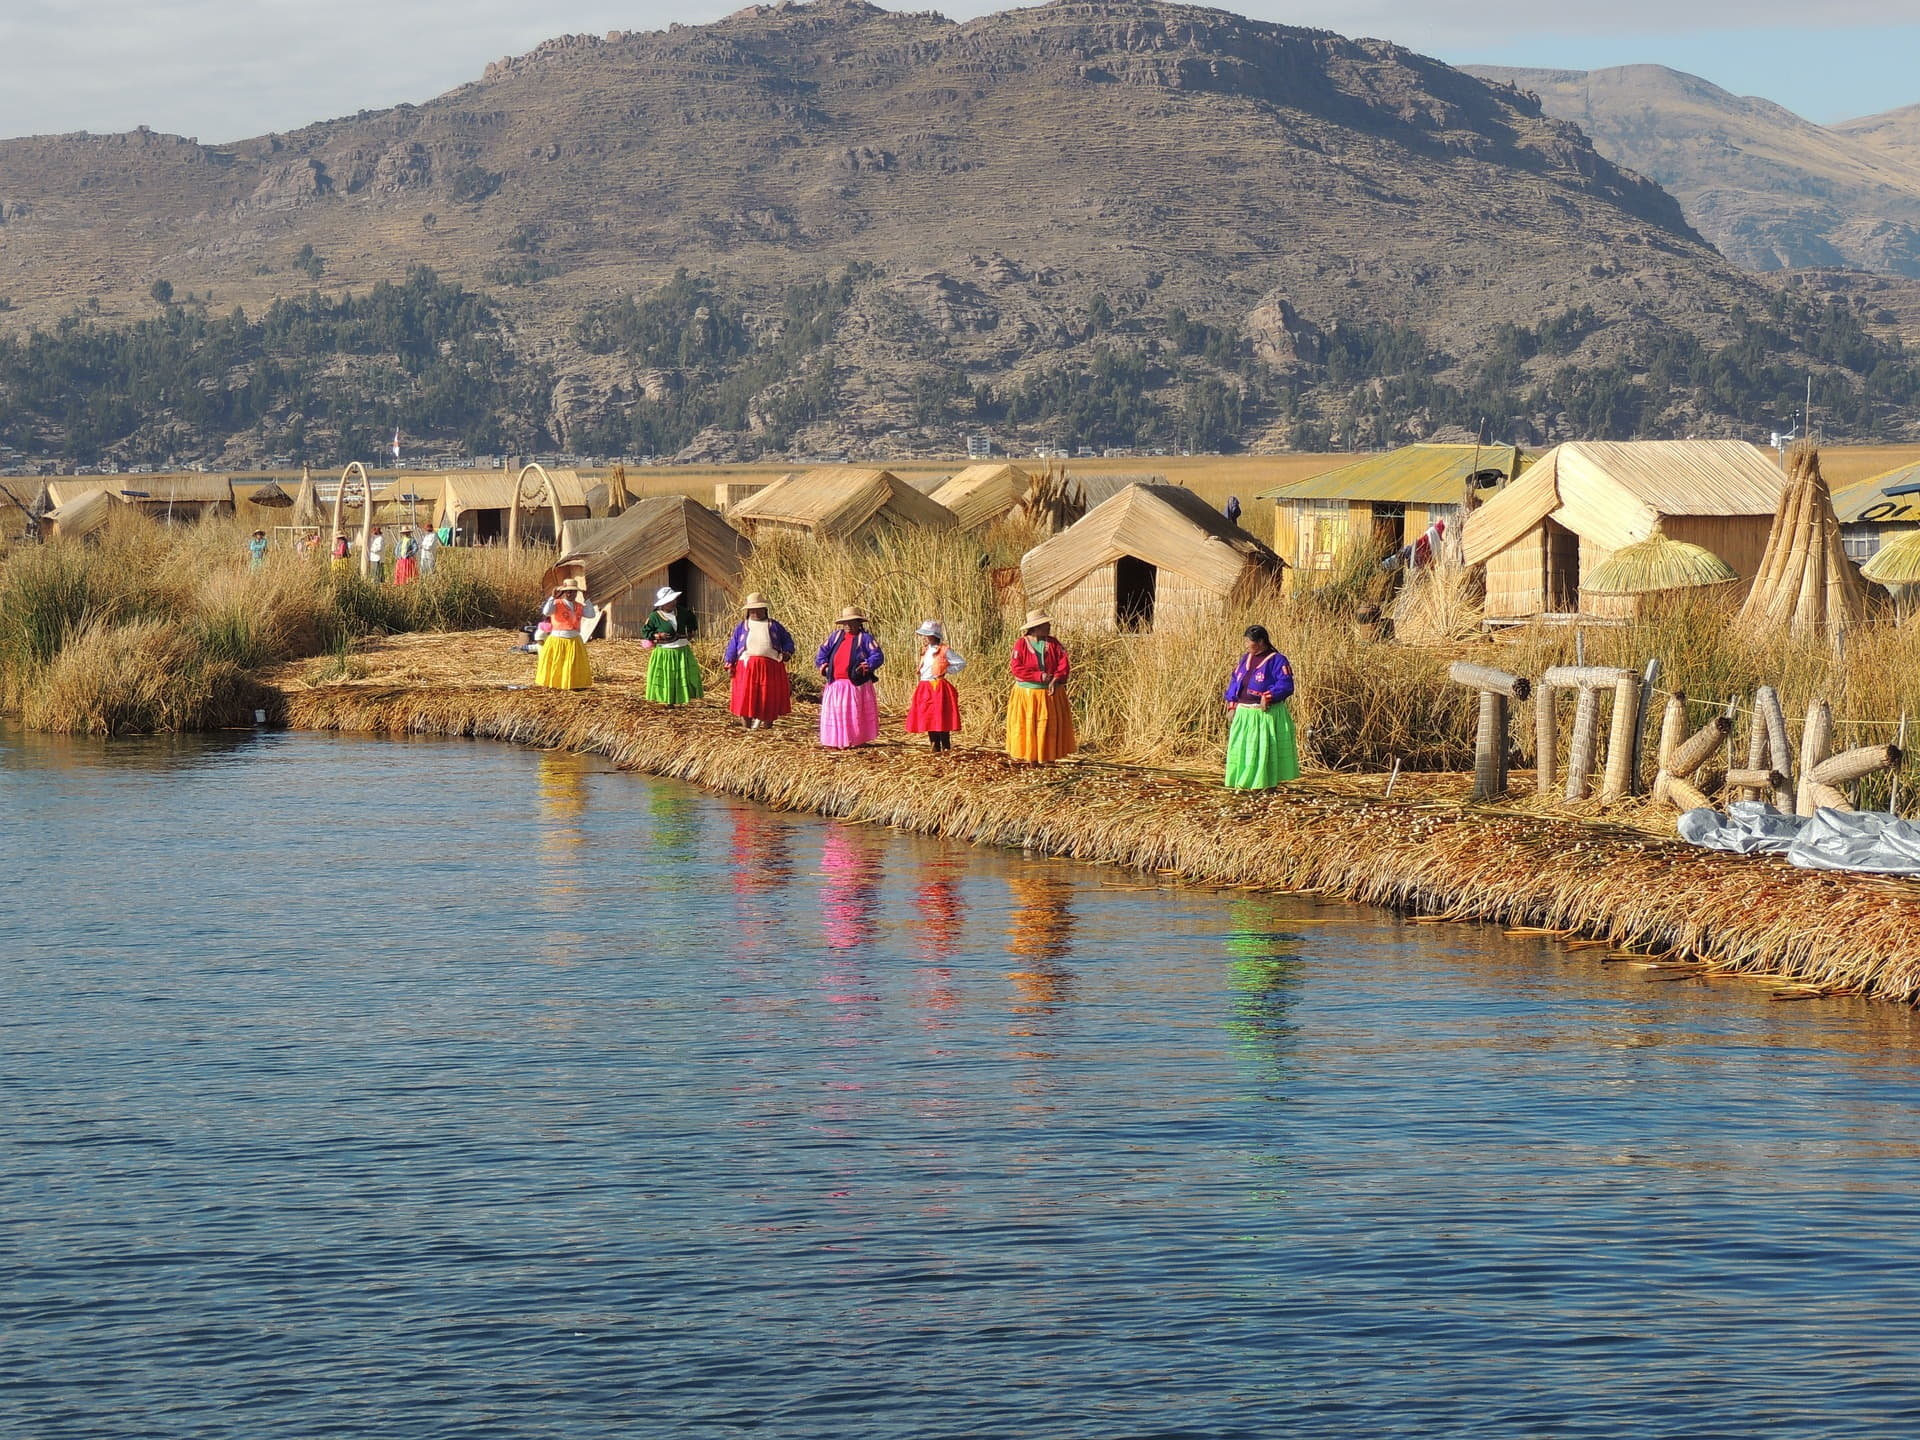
column 665, row 594
column 1035, row 619
column 930, row 629
column 756, row 601
column 573, row 584
column 852, row 612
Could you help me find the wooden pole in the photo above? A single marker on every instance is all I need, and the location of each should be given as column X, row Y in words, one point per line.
column 1900, row 742
column 1642, row 703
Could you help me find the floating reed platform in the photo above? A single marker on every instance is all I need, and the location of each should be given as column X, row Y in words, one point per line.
column 1684, row 911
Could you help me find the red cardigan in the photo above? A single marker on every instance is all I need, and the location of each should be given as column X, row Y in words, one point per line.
column 1056, row 665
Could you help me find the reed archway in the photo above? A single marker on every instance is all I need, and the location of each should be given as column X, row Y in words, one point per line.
column 535, row 494
column 356, row 471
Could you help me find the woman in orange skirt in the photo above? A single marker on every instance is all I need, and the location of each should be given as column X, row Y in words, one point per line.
column 1039, row 715
column 935, row 712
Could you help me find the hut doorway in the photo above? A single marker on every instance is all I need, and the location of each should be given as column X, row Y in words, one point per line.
column 1563, row 569
column 489, row 527
column 680, row 577
column 1389, row 527
column 1134, row 584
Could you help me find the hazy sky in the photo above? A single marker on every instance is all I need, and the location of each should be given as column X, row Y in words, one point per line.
column 227, row 69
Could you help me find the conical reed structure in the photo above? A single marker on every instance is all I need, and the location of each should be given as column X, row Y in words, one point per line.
column 306, row 505
column 1806, row 584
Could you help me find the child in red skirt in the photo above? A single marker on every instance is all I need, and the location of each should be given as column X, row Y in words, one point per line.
column 935, row 711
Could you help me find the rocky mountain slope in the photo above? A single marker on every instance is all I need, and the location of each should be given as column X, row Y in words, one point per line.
column 1771, row 190
column 895, row 227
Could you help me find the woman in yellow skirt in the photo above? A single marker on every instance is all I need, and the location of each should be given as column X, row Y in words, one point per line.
column 1039, row 715
column 563, row 663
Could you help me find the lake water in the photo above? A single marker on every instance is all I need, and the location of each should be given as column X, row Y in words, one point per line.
column 355, row 1088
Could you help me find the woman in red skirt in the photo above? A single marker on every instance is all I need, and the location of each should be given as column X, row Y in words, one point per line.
column 935, row 712
column 756, row 658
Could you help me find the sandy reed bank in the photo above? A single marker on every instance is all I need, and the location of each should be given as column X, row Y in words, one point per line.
column 1688, row 912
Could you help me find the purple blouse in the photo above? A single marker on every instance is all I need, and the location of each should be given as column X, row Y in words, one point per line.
column 737, row 646
column 866, row 651
column 1254, row 678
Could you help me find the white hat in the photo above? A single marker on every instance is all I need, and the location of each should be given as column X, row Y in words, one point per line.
column 931, row 629
column 664, row 594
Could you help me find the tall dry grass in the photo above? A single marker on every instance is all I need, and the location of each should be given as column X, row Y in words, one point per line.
column 146, row 628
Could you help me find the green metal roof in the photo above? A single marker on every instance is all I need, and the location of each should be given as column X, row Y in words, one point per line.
column 1412, row 475
column 1867, row 501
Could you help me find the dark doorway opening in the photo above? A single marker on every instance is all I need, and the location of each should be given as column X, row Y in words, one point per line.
column 1563, row 569
column 1389, row 527
column 488, row 526
column 680, row 577
column 1134, row 583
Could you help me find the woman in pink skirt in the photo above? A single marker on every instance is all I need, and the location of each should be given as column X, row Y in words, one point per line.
column 848, row 662
column 935, row 712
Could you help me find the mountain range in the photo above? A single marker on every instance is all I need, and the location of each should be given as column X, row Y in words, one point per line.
column 827, row 226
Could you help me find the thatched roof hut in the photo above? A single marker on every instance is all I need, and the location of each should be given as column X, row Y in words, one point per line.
column 1151, row 555
column 184, row 497
column 1580, row 502
column 838, row 504
column 476, row 502
column 1389, row 499
column 1874, row 511
column 79, row 516
column 1805, row 583
column 665, row 540
column 981, row 494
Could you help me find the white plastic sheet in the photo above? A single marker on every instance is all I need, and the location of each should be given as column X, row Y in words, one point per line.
column 1868, row 841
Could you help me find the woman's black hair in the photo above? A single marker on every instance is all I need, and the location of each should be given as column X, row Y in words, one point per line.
column 1259, row 632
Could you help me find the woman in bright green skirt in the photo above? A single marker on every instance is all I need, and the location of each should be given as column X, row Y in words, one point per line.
column 673, row 675
column 1260, row 747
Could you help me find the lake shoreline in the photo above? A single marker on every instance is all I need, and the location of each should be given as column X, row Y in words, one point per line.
column 1696, row 911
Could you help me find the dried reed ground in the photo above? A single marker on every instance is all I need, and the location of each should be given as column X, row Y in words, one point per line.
column 1701, row 912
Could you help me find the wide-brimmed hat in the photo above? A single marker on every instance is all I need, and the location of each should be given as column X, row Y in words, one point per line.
column 665, row 594
column 852, row 612
column 573, row 583
column 756, row 601
column 1035, row 619
column 931, row 629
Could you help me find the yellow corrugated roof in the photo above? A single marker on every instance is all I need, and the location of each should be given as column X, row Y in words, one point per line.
column 1411, row 475
column 1868, row 501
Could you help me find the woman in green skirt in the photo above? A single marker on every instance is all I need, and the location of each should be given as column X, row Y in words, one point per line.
column 673, row 675
column 1260, row 748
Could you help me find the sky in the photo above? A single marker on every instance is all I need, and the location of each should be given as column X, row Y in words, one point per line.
column 224, row 70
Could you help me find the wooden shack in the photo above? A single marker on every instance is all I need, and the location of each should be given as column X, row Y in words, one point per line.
column 1871, row 512
column 1582, row 501
column 1386, row 500
column 1152, row 555
column 170, row 499
column 981, row 494
column 476, row 503
column 838, row 504
column 665, row 540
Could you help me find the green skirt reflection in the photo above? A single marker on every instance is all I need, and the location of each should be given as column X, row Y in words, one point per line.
column 673, row 675
column 1260, row 749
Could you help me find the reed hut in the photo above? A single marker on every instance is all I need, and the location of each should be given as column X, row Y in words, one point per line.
column 476, row 503
column 1580, row 502
column 665, row 540
column 170, row 499
column 729, row 493
column 1636, row 578
column 1806, row 585
column 1875, row 511
column 838, row 504
column 82, row 515
column 981, row 494
column 1152, row 555
column 1384, row 500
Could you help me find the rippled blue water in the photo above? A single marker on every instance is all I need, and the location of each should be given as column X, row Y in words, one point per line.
column 358, row 1088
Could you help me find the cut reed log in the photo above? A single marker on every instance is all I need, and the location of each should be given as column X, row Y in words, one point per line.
column 1681, row 794
column 1622, row 758
column 1586, row 731
column 1816, row 743
column 1673, row 729
column 1756, row 761
column 1546, row 738
column 1597, row 677
column 1756, row 779
column 1698, row 748
column 1850, row 765
column 1766, row 704
column 1826, row 797
column 1485, row 677
column 1490, row 747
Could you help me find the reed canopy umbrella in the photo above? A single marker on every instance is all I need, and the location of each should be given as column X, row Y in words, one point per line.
column 1897, row 566
column 270, row 497
column 1658, row 563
